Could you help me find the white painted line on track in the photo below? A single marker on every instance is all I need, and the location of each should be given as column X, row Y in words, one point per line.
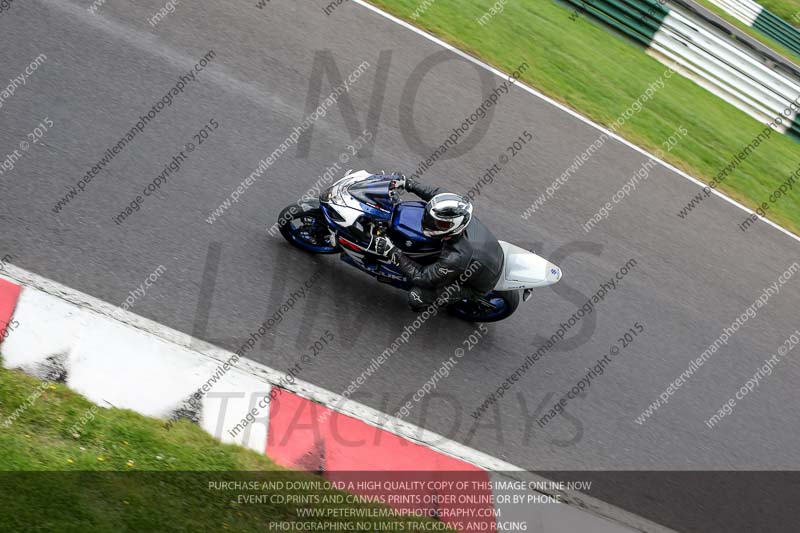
column 566, row 109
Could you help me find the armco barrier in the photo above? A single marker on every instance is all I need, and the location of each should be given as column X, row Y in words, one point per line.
column 763, row 20
column 701, row 52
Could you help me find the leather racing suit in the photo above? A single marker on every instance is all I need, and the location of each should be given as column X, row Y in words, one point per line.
column 470, row 263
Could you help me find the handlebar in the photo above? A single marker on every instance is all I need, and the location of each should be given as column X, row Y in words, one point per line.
column 395, row 184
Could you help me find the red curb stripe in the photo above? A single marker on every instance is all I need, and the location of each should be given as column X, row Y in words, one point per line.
column 345, row 449
column 9, row 294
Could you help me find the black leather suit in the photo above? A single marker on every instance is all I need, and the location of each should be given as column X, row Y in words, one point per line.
column 476, row 246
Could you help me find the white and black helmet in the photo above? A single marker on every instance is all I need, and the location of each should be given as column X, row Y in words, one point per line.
column 446, row 214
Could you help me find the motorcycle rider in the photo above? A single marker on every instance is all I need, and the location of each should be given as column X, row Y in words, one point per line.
column 467, row 244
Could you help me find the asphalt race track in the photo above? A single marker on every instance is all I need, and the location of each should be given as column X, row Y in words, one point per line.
column 691, row 278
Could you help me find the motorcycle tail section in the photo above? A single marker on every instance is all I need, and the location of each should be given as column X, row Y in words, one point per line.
column 525, row 270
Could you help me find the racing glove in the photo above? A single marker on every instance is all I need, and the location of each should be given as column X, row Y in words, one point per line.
column 411, row 185
column 398, row 182
column 382, row 246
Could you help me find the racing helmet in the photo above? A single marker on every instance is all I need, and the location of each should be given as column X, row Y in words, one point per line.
column 446, row 214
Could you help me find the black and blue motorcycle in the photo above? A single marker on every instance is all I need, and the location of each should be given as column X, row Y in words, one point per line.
column 358, row 207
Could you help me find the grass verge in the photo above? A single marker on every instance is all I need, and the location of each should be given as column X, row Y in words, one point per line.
column 788, row 10
column 599, row 73
column 68, row 465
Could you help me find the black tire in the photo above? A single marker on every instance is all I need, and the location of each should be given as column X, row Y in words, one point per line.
column 467, row 312
column 314, row 239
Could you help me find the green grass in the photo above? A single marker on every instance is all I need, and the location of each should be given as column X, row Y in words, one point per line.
column 598, row 73
column 785, row 9
column 125, row 472
column 752, row 32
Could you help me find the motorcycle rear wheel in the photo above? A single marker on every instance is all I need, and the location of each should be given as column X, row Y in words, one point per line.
column 307, row 229
column 495, row 306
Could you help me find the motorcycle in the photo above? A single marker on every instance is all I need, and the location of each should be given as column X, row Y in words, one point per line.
column 360, row 206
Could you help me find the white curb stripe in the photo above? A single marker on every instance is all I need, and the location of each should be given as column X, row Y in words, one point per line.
column 116, row 360
column 746, row 11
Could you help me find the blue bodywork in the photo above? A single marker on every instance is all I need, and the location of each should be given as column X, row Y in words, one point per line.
column 373, row 194
column 403, row 222
column 406, row 229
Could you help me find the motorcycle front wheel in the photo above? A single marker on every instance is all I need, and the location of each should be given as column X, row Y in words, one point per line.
column 305, row 227
column 495, row 306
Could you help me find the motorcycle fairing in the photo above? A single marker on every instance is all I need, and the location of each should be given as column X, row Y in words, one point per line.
column 406, row 230
column 525, row 270
column 361, row 194
column 361, row 197
column 357, row 194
